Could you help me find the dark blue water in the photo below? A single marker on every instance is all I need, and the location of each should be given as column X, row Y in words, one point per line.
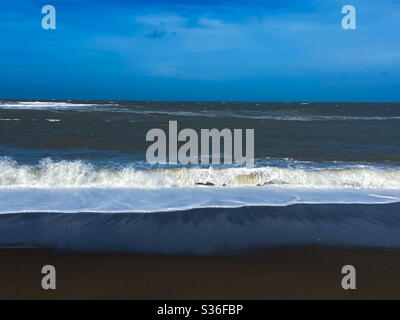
column 324, row 174
column 109, row 133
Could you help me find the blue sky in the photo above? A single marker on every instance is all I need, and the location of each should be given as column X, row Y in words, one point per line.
column 252, row 50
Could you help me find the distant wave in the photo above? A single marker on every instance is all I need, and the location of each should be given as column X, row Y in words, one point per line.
column 263, row 116
column 45, row 105
column 302, row 116
column 319, row 118
column 78, row 174
column 225, row 112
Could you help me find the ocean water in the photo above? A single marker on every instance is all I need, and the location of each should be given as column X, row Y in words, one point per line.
column 87, row 158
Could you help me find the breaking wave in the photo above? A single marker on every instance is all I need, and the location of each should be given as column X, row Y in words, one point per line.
column 79, row 174
column 46, row 105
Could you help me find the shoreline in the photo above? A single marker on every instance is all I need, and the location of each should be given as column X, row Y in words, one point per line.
column 208, row 231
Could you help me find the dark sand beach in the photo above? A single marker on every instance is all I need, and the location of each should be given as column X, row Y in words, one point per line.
column 293, row 252
column 279, row 273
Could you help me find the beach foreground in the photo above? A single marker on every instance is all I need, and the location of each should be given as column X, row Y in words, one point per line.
column 269, row 273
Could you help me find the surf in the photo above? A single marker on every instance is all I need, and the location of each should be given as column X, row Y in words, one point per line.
column 82, row 174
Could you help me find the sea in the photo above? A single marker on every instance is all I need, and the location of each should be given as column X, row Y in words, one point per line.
column 74, row 176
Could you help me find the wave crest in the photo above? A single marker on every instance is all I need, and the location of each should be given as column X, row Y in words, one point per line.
column 78, row 174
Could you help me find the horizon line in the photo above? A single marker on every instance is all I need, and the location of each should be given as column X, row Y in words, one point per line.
column 185, row 100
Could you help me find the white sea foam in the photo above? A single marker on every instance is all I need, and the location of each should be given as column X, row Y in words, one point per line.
column 47, row 105
column 78, row 174
column 75, row 186
column 116, row 200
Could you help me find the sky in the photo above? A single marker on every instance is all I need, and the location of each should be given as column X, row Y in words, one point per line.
column 254, row 50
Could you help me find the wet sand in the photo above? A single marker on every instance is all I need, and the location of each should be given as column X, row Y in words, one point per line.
column 208, row 230
column 268, row 273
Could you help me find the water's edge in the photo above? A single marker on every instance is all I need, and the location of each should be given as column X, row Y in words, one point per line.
column 208, row 230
